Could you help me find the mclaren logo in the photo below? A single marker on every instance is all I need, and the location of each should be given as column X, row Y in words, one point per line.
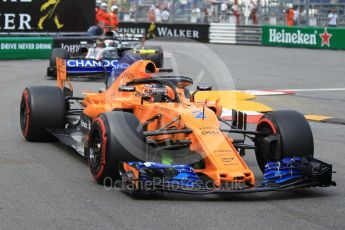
column 48, row 10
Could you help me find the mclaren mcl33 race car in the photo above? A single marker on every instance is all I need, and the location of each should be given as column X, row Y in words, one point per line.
column 144, row 133
column 108, row 54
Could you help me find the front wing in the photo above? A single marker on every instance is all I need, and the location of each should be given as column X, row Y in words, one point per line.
column 149, row 178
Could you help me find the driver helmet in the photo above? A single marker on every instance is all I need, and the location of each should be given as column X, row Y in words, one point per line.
column 156, row 92
column 94, row 31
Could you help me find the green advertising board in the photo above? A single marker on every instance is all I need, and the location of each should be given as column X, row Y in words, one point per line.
column 304, row 37
column 16, row 48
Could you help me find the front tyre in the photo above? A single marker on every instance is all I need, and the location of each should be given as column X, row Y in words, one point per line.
column 288, row 135
column 42, row 108
column 114, row 138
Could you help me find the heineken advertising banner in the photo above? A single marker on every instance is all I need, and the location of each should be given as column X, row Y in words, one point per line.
column 305, row 37
column 46, row 15
column 197, row 32
column 25, row 48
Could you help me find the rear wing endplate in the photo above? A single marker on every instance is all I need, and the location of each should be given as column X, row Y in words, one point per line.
column 62, row 78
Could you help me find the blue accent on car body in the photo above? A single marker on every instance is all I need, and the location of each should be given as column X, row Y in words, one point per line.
column 199, row 114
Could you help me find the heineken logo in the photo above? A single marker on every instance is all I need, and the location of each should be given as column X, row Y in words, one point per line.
column 299, row 37
column 326, row 38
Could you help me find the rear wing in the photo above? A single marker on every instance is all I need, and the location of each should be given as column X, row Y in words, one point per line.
column 83, row 67
column 104, row 67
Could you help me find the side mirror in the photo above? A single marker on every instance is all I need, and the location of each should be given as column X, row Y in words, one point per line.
column 203, row 88
column 125, row 88
column 200, row 88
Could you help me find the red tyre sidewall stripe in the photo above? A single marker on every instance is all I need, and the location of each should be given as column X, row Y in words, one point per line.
column 104, row 146
column 270, row 123
column 27, row 113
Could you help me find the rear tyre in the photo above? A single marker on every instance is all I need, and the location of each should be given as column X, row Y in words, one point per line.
column 113, row 138
column 56, row 53
column 42, row 108
column 288, row 135
column 157, row 58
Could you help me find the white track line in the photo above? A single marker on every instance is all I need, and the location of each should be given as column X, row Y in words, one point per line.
column 311, row 90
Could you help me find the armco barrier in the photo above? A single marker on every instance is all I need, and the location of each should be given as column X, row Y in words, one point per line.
column 222, row 33
column 304, row 37
column 16, row 48
column 225, row 33
column 248, row 35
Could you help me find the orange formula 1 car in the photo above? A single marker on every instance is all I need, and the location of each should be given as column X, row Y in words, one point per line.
column 146, row 133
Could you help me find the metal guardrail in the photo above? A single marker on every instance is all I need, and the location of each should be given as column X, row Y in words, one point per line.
column 224, row 33
column 248, row 35
column 41, row 34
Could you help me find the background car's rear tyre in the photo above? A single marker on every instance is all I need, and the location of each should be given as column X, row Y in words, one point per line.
column 94, row 31
column 296, row 138
column 114, row 137
column 157, row 58
column 56, row 53
column 42, row 108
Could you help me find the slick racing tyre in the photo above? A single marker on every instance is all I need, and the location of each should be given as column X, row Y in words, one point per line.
column 157, row 58
column 113, row 137
column 288, row 135
column 56, row 53
column 42, row 108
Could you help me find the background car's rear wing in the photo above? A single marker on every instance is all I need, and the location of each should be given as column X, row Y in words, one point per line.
column 104, row 67
column 81, row 67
